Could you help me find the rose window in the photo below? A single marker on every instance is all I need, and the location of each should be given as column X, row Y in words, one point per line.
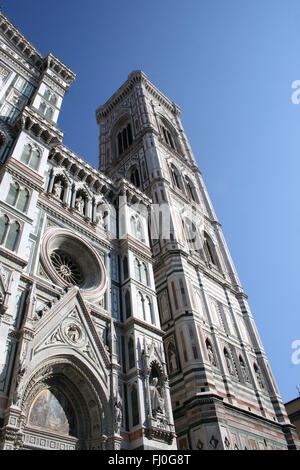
column 66, row 267
column 71, row 261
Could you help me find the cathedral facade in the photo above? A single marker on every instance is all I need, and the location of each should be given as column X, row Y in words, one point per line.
column 123, row 323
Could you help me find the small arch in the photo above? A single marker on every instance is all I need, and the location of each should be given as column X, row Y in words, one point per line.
column 149, row 314
column 42, row 107
column 12, row 195
column 210, row 251
column 144, row 274
column 135, row 415
column 136, row 227
column 12, row 236
column 131, row 355
column 26, row 153
column 23, row 200
column 47, row 94
column 190, row 188
column 34, row 160
column 134, row 177
column 4, row 222
column 127, row 304
column 122, row 135
column 175, row 176
column 125, row 268
column 49, row 113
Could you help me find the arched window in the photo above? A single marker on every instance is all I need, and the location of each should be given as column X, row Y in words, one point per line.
column 12, row 237
column 139, row 231
column 125, row 268
column 26, row 153
column 18, row 197
column 53, row 99
column 131, row 357
column 210, row 250
column 42, row 107
column 134, row 406
column 135, row 177
column 23, row 199
column 34, row 160
column 49, row 113
column 127, row 304
column 166, row 136
column 31, row 156
column 149, row 314
column 47, row 94
column 137, row 270
column 192, row 235
column 13, row 194
column 190, row 189
column 141, row 306
column 175, row 176
column 4, row 221
column 124, row 138
column 144, row 274
column 136, row 227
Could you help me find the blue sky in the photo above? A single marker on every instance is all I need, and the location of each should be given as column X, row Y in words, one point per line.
column 229, row 66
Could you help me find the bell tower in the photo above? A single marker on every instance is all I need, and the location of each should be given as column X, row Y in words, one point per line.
column 223, row 392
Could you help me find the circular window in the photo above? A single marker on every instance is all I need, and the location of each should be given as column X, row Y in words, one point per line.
column 66, row 267
column 71, row 261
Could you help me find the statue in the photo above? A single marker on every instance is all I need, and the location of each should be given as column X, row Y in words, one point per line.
column 157, row 401
column 172, row 359
column 259, row 378
column 211, row 355
column 229, row 364
column 79, row 204
column 57, row 189
column 118, row 414
column 244, row 371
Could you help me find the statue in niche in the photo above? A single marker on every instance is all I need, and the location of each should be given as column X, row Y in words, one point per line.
column 211, row 355
column 79, row 204
column 118, row 414
column 57, row 189
column 244, row 371
column 259, row 378
column 157, row 401
column 172, row 359
column 229, row 364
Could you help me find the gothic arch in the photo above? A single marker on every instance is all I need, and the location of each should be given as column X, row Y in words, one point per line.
column 69, row 376
column 169, row 134
column 121, row 135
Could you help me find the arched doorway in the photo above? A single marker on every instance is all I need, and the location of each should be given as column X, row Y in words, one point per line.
column 64, row 408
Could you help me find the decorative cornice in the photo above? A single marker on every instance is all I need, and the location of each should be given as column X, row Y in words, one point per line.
column 43, row 130
column 15, row 38
column 59, row 71
column 20, row 42
column 135, row 77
